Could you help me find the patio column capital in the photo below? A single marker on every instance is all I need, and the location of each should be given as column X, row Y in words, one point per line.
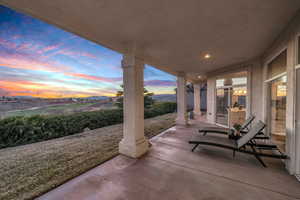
column 131, row 61
column 181, row 74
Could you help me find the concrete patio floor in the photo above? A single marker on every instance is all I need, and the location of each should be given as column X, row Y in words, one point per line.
column 171, row 171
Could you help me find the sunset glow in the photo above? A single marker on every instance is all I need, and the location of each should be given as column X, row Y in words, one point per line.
column 40, row 60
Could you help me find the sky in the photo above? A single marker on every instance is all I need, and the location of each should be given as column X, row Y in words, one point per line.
column 41, row 60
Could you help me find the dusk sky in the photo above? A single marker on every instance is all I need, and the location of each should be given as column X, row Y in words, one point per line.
column 41, row 60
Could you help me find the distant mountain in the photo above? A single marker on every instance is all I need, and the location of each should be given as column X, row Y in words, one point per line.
column 165, row 97
column 159, row 97
column 23, row 97
column 97, row 98
column 90, row 98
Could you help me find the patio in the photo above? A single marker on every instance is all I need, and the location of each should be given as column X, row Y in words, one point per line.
column 171, row 171
column 200, row 42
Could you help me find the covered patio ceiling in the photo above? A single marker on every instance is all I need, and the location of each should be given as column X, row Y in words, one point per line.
column 172, row 35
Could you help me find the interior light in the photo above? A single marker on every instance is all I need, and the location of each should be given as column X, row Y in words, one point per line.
column 207, row 56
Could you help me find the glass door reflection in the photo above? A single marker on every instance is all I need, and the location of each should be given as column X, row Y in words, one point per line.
column 223, row 102
column 278, row 111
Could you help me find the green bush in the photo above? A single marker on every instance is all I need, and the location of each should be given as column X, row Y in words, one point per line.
column 160, row 109
column 23, row 130
column 16, row 131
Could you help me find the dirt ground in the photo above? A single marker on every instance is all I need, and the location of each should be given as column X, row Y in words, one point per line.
column 30, row 170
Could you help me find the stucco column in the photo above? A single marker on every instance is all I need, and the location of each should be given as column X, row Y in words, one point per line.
column 211, row 100
column 134, row 144
column 197, row 101
column 181, row 100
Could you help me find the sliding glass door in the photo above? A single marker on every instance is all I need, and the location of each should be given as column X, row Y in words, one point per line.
column 231, row 95
column 277, row 80
column 278, row 111
column 222, row 104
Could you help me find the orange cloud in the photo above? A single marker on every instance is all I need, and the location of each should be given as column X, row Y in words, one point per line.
column 21, row 85
column 28, row 88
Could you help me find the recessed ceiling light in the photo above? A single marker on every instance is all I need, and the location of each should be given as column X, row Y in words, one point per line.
column 207, row 56
column 199, row 77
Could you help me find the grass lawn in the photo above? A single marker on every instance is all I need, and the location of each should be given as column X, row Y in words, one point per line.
column 30, row 170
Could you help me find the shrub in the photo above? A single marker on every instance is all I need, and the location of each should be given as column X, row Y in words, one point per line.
column 160, row 109
column 16, row 131
column 23, row 130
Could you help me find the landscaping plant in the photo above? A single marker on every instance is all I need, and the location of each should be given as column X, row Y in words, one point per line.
column 21, row 130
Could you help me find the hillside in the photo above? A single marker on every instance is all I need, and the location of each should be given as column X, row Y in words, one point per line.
column 165, row 97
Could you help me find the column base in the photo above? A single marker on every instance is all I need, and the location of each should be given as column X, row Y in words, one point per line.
column 181, row 122
column 197, row 113
column 135, row 150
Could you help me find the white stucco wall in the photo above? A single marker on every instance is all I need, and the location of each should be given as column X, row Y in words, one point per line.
column 256, row 90
column 288, row 40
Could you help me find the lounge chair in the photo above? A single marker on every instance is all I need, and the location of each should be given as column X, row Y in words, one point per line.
column 225, row 131
column 246, row 144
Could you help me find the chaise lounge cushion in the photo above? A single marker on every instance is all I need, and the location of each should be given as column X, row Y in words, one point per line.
column 247, row 122
column 224, row 141
column 256, row 129
column 235, row 144
column 244, row 126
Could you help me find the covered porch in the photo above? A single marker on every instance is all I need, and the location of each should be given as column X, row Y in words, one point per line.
column 196, row 41
column 171, row 171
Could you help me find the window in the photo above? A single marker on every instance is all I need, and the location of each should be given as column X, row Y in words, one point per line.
column 239, row 81
column 278, row 65
column 220, row 83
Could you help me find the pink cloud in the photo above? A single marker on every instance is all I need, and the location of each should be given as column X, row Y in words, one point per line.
column 7, row 44
column 18, row 61
column 14, row 37
column 94, row 78
column 23, row 46
column 75, row 54
column 48, row 48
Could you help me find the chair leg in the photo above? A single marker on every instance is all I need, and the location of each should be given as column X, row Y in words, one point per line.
column 258, row 158
column 196, row 145
column 233, row 154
